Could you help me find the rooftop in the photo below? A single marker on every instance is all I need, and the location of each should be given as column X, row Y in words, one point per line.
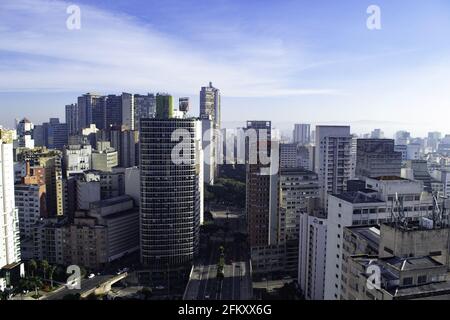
column 110, row 202
column 299, row 171
column 389, row 178
column 358, row 197
column 414, row 263
column 370, row 233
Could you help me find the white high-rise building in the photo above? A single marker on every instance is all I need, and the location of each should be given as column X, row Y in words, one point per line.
column 334, row 162
column 368, row 207
column 210, row 114
column 24, row 130
column 209, row 149
column 312, row 254
column 9, row 220
column 128, row 111
column 77, row 158
column 302, row 133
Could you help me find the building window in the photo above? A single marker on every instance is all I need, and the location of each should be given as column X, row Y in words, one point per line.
column 407, row 281
column 422, row 279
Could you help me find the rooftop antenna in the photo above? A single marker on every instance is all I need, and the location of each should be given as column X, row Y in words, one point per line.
column 398, row 211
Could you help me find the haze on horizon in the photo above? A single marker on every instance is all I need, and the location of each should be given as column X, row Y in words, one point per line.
column 284, row 61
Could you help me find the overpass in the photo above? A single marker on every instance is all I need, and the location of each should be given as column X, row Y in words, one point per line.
column 97, row 285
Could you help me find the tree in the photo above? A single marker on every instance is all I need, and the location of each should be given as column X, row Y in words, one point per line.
column 24, row 285
column 51, row 271
column 32, row 266
column 44, row 266
column 4, row 295
column 37, row 284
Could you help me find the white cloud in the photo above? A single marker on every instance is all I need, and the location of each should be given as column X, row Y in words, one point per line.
column 114, row 52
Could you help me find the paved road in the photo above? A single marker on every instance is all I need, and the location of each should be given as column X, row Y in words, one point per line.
column 86, row 285
column 236, row 284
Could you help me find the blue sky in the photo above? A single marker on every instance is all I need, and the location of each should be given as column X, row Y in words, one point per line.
column 287, row 61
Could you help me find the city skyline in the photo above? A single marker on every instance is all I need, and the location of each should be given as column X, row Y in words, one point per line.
column 334, row 71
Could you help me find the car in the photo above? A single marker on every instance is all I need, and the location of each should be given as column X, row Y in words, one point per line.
column 207, row 297
column 91, row 276
column 159, row 287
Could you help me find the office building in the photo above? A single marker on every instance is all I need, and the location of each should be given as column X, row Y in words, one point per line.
column 302, row 134
column 412, row 259
column 373, row 205
column 209, row 147
column 312, row 250
column 376, row 158
column 402, row 137
column 171, row 190
column 91, row 110
column 126, row 142
column 31, row 201
column 24, row 131
column 333, row 159
column 97, row 236
column 210, row 113
column 433, row 140
column 145, row 107
column 9, row 220
column 418, row 170
column 72, row 119
column 413, row 151
column 57, row 134
column 52, row 163
column 164, row 106
column 104, row 158
column 262, row 197
column 297, row 187
column 210, row 104
column 377, row 134
column 77, row 158
column 293, row 155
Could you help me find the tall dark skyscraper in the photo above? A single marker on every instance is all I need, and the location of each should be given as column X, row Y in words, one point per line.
column 87, row 106
column 145, row 107
column 113, row 106
column 73, row 124
column 52, row 134
column 171, row 193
